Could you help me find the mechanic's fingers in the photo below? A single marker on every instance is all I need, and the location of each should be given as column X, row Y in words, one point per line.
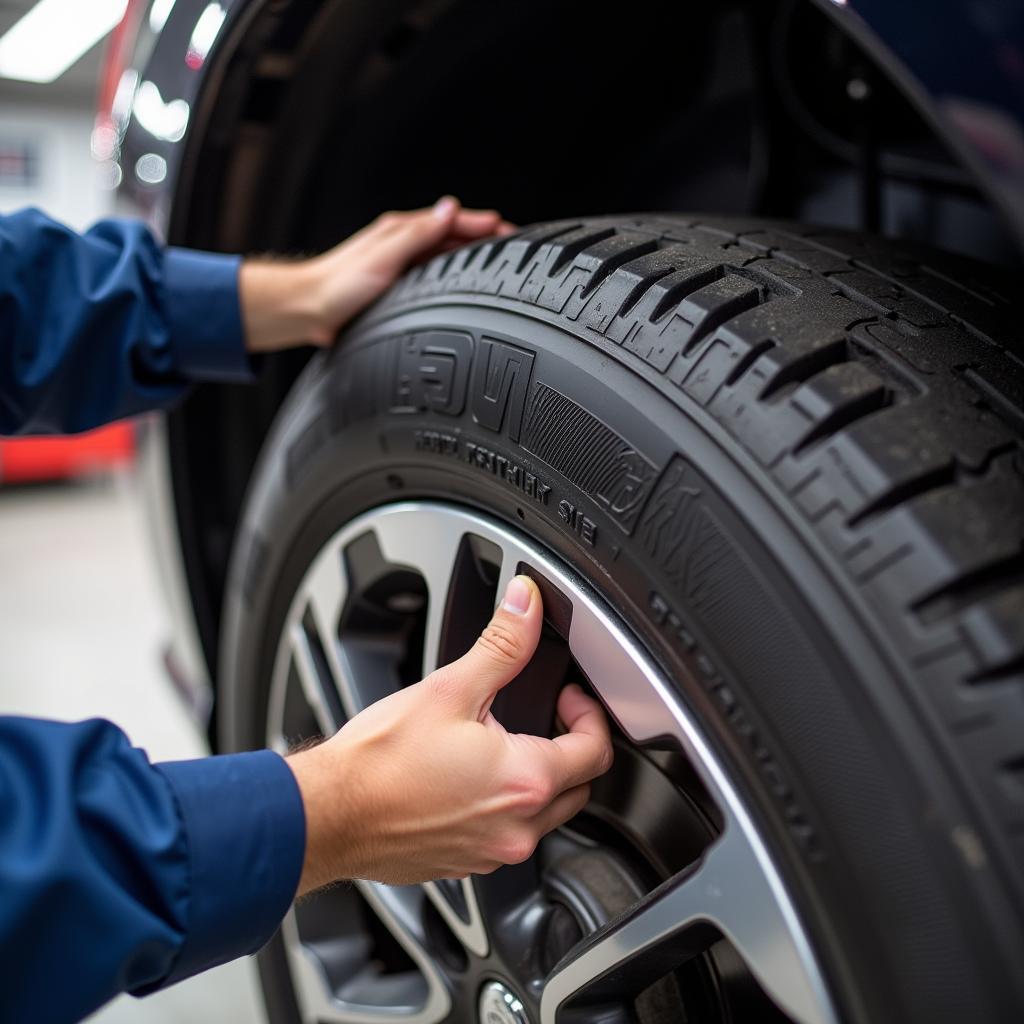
column 448, row 213
column 500, row 229
column 586, row 749
column 447, row 210
column 474, row 223
column 425, row 233
column 422, row 229
column 565, row 806
column 578, row 711
column 499, row 654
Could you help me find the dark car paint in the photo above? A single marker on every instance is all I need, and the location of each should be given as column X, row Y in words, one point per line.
column 960, row 62
column 163, row 62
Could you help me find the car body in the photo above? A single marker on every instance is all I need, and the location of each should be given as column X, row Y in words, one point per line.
column 850, row 113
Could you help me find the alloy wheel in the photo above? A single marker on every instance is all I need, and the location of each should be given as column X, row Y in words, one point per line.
column 661, row 901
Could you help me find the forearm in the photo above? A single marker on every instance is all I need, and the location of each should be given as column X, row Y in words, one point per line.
column 282, row 304
column 138, row 874
column 78, row 324
column 326, row 781
column 108, row 324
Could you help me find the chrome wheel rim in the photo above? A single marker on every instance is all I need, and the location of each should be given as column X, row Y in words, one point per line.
column 733, row 887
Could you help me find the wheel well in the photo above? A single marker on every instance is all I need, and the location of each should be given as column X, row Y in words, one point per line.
column 320, row 115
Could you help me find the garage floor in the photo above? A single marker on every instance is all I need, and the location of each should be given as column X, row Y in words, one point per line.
column 81, row 629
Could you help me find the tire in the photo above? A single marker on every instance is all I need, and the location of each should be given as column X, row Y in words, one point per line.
column 791, row 461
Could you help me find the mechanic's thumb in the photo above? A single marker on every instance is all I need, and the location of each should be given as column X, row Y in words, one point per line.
column 502, row 650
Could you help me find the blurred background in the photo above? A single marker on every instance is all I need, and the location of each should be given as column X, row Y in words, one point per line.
column 81, row 620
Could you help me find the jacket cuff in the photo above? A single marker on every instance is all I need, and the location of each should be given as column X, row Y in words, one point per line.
column 204, row 316
column 246, row 836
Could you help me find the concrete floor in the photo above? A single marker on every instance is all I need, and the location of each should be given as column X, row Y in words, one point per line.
column 81, row 631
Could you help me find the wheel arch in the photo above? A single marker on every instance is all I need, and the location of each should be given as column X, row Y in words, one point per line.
column 266, row 47
column 978, row 113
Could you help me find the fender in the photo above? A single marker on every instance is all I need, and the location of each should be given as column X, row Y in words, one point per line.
column 962, row 65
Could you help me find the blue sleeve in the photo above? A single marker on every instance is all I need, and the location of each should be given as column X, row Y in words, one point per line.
column 119, row 875
column 108, row 324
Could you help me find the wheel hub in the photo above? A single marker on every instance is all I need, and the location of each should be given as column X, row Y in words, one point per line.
column 500, row 1005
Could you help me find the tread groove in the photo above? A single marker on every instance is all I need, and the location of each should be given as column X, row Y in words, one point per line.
column 535, row 243
column 641, row 288
column 568, row 252
column 612, row 263
column 942, row 476
column 1000, row 402
column 447, row 261
column 718, row 316
column 747, row 360
column 806, row 366
column 497, row 248
column 675, row 295
column 998, row 674
column 970, row 588
column 854, row 410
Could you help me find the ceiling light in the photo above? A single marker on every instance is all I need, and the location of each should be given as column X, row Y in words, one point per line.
column 151, row 168
column 159, row 13
column 51, row 36
column 166, row 121
column 205, row 34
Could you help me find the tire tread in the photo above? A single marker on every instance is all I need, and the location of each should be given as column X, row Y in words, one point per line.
column 880, row 386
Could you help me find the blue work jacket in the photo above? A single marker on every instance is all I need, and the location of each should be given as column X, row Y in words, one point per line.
column 117, row 874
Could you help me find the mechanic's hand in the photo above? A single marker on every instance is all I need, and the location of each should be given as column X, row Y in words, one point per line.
column 309, row 301
column 426, row 783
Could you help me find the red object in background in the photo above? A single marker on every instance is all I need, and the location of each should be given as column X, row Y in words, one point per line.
column 118, row 53
column 25, row 459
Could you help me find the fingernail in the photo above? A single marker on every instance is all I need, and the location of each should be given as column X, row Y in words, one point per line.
column 517, row 596
column 444, row 207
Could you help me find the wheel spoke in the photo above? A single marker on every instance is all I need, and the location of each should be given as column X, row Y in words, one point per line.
column 432, row 549
column 400, row 907
column 313, row 684
column 400, row 910
column 725, row 893
column 326, row 589
column 465, row 919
